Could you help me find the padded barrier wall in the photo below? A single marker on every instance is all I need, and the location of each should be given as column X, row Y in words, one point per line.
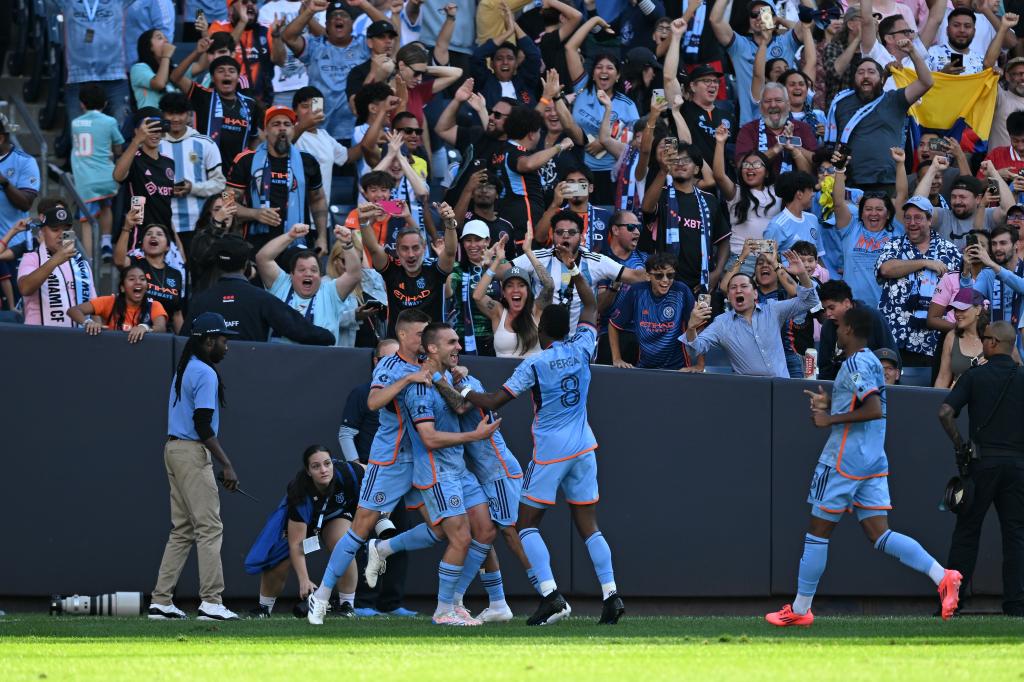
column 703, row 477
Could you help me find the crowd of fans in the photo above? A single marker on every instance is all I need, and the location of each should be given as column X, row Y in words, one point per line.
column 729, row 176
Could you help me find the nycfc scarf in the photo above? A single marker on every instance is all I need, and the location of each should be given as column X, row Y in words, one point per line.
column 259, row 188
column 692, row 37
column 674, row 222
column 999, row 313
column 832, row 130
column 762, row 146
column 215, row 117
column 59, row 293
column 625, row 185
column 308, row 315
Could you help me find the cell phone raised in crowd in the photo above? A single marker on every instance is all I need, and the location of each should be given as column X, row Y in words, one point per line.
column 936, row 144
column 956, row 59
column 374, row 304
column 672, row 143
column 993, row 187
column 791, row 140
column 316, row 105
column 165, row 125
column 200, row 14
column 971, row 240
column 138, row 202
column 390, row 207
column 704, row 300
column 68, row 236
column 659, row 96
column 576, row 188
column 767, row 18
column 227, row 197
column 844, row 155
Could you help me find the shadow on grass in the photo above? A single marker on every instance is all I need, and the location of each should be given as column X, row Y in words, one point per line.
column 655, row 630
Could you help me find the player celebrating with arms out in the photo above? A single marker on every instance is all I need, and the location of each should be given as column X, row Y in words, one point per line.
column 564, row 445
column 851, row 473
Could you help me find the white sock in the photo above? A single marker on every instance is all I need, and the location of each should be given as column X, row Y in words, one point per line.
column 802, row 603
column 936, row 572
column 498, row 605
column 349, row 597
column 458, row 599
column 384, row 549
column 105, row 240
column 608, row 589
column 443, row 609
column 268, row 602
column 323, row 593
column 547, row 587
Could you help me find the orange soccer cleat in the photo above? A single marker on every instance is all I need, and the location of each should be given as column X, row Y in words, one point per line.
column 949, row 592
column 785, row 617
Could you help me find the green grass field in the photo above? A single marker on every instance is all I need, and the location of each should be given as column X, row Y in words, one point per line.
column 846, row 649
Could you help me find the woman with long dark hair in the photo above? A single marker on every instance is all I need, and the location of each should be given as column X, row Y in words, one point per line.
column 193, row 422
column 149, row 76
column 962, row 349
column 166, row 282
column 130, row 310
column 751, row 201
column 314, row 514
column 216, row 219
column 514, row 319
column 588, row 111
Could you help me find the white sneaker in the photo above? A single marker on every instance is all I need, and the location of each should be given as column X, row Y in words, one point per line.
column 493, row 615
column 166, row 612
column 211, row 611
column 463, row 613
column 317, row 610
column 375, row 564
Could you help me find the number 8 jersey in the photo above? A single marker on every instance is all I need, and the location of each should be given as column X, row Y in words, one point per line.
column 559, row 378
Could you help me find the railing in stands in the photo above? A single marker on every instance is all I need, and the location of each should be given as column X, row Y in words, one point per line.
column 67, row 182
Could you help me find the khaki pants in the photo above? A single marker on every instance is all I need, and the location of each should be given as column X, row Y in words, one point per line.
column 195, row 518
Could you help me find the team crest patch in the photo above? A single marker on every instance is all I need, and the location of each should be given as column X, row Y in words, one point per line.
column 668, row 312
column 454, row 501
column 10, row 172
column 61, row 214
column 379, row 498
column 169, row 172
column 421, row 283
column 193, row 157
column 172, row 282
column 340, row 498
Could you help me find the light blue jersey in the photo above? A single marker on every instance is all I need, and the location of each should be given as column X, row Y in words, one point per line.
column 560, row 379
column 860, row 253
column 324, row 309
column 215, row 10
column 588, row 112
column 21, row 170
column 391, row 443
column 198, row 392
column 489, row 460
column 857, row 450
column 94, row 135
column 328, row 67
column 425, row 404
column 94, row 39
column 787, row 229
column 742, row 50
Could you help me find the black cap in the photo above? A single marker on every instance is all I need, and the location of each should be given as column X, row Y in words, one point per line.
column 211, row 324
column 703, row 71
column 232, row 253
column 381, row 28
column 338, row 7
column 642, row 56
column 55, row 217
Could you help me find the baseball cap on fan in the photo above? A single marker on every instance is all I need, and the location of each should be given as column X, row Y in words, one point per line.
column 58, row 216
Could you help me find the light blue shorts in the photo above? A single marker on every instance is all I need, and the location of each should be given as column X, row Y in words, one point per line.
column 832, row 494
column 503, row 500
column 576, row 477
column 452, row 496
column 384, row 486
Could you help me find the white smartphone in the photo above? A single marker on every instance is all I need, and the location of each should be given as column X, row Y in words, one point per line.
column 767, row 18
column 659, row 95
column 316, row 105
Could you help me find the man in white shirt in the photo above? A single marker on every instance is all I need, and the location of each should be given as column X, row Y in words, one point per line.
column 309, row 138
column 878, row 38
column 198, row 173
column 985, row 28
column 955, row 56
column 1009, row 99
column 291, row 75
column 567, row 231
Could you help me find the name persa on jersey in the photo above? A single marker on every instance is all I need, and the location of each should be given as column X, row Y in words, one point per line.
column 488, row 460
column 425, row 404
column 391, row 443
column 857, row 450
column 559, row 379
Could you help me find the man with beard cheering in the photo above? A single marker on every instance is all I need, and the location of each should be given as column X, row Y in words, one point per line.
column 279, row 185
column 868, row 121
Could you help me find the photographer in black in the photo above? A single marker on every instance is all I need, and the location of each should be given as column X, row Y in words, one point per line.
column 992, row 459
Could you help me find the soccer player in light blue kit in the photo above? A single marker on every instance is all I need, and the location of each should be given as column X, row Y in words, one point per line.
column 851, row 475
column 564, row 445
column 389, row 474
column 452, row 496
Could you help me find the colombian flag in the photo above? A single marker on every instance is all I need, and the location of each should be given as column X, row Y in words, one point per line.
column 976, row 95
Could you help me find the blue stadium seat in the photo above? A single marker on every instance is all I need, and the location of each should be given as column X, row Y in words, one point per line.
column 916, row 376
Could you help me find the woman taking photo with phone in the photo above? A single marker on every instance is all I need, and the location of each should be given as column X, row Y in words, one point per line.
column 314, row 514
column 166, row 283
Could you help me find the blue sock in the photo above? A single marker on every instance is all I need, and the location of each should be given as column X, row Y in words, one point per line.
column 447, row 576
column 908, row 550
column 812, row 565
column 495, row 588
column 531, row 575
column 474, row 560
column 601, row 557
column 343, row 554
column 419, row 537
column 537, row 553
